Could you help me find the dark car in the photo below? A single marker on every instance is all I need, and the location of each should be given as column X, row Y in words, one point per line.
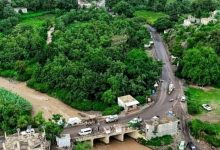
column 191, row 146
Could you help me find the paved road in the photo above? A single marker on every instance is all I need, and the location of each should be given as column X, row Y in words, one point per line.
column 162, row 104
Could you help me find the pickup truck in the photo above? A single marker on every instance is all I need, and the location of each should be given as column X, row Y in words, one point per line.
column 170, row 88
column 111, row 118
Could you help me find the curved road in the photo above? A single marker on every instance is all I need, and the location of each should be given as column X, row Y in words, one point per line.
column 162, row 104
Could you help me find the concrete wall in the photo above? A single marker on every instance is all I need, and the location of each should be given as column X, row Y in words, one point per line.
column 121, row 103
column 170, row 128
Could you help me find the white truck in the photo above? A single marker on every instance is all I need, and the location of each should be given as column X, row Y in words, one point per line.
column 74, row 121
column 170, row 88
column 111, row 118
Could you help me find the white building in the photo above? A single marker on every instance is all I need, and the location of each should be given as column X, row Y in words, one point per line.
column 22, row 9
column 63, row 141
column 158, row 128
column 128, row 103
column 84, row 3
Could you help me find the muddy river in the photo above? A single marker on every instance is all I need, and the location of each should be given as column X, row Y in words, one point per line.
column 128, row 144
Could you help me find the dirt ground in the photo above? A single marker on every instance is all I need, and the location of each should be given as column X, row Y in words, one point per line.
column 206, row 88
column 40, row 102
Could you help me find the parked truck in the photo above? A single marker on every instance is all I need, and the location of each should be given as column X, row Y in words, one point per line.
column 170, row 88
column 111, row 118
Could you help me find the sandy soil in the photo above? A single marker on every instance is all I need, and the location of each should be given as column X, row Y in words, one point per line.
column 128, row 144
column 40, row 102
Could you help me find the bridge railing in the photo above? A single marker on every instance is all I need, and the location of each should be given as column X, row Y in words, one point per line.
column 123, row 129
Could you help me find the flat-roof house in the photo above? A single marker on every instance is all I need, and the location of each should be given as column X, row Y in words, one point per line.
column 128, row 102
column 22, row 9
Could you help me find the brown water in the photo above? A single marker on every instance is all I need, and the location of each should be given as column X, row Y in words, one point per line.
column 39, row 101
column 128, row 144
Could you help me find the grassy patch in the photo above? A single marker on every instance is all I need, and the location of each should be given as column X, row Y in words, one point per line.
column 197, row 97
column 209, row 132
column 36, row 19
column 157, row 141
column 149, row 16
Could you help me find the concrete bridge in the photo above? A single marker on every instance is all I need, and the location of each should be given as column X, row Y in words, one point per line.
column 118, row 134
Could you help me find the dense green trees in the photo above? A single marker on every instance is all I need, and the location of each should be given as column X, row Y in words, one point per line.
column 45, row 4
column 13, row 111
column 123, row 8
column 201, row 65
column 8, row 17
column 93, row 59
column 198, row 52
column 204, row 7
column 163, row 23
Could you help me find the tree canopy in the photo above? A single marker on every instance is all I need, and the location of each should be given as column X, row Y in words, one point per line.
column 93, row 59
column 201, row 65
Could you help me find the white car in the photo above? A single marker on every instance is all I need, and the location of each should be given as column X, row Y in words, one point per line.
column 135, row 120
column 183, row 99
column 111, row 118
column 171, row 100
column 85, row 131
column 182, row 145
column 206, row 107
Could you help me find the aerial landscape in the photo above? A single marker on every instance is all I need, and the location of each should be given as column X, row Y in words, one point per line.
column 109, row 74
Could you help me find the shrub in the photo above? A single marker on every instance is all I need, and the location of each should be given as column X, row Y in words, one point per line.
column 205, row 130
column 163, row 23
column 213, row 140
column 9, row 73
column 83, row 146
column 99, row 106
column 43, row 87
column 157, row 141
column 141, row 99
column 84, row 105
column 193, row 107
column 112, row 110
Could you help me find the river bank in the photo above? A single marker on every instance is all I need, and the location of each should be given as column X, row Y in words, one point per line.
column 39, row 101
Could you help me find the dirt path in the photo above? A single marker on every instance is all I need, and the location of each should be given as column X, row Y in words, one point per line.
column 49, row 35
column 40, row 102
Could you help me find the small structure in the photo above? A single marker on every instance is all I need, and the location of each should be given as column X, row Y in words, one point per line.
column 21, row 9
column 86, row 4
column 63, row 141
column 204, row 21
column 128, row 103
column 157, row 127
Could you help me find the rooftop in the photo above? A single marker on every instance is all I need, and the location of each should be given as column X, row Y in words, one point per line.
column 128, row 100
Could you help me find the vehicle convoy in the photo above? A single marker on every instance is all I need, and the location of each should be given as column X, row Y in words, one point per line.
column 111, row 118
column 170, row 88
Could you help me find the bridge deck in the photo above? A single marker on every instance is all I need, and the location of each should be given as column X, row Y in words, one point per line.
column 102, row 135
